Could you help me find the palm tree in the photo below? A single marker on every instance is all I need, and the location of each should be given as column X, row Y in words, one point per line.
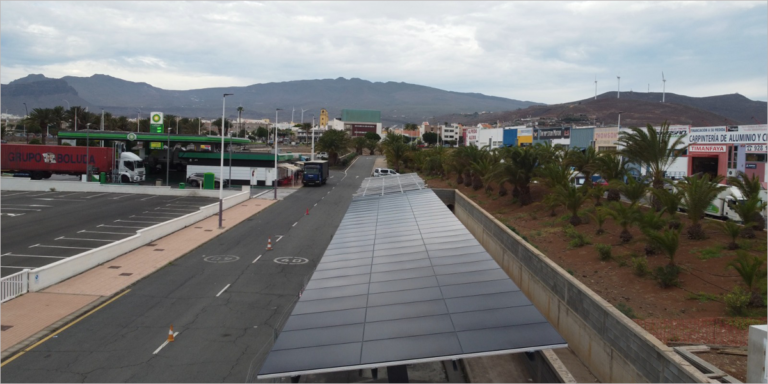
column 334, row 142
column 655, row 150
column 462, row 159
column 572, row 198
column 670, row 203
column 650, row 221
column 585, row 161
column 482, row 167
column 522, row 166
column 58, row 115
column 613, row 169
column 626, row 216
column 359, row 143
column 633, row 190
column 749, row 210
column 667, row 241
column 599, row 216
column 698, row 193
column 730, row 229
column 395, row 149
column 371, row 145
column 752, row 273
column 748, row 186
column 41, row 117
column 553, row 175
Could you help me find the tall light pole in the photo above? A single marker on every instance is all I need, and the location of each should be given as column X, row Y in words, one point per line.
column 168, row 158
column 275, row 177
column 230, row 156
column 25, row 121
column 138, row 120
column 620, row 112
column 313, row 138
column 618, row 90
column 87, row 147
column 221, row 171
column 199, row 122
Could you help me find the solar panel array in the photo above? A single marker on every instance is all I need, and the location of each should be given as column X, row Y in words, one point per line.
column 385, row 185
column 403, row 281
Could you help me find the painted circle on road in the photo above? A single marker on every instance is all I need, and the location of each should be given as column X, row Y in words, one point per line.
column 291, row 260
column 216, row 259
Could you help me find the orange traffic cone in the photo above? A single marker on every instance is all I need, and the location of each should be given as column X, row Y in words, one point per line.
column 269, row 244
column 307, row 211
column 170, row 334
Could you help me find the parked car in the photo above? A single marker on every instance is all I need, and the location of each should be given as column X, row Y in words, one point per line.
column 195, row 180
column 383, row 172
column 322, row 156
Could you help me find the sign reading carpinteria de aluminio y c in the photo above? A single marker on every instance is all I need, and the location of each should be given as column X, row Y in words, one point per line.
column 734, row 134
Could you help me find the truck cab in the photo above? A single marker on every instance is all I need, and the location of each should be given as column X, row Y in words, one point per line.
column 131, row 168
column 315, row 172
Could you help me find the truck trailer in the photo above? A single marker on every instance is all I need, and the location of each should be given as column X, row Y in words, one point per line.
column 42, row 161
column 315, row 172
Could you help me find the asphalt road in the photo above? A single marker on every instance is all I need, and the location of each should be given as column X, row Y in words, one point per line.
column 40, row 228
column 226, row 313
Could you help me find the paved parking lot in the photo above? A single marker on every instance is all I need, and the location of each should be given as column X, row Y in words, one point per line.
column 39, row 228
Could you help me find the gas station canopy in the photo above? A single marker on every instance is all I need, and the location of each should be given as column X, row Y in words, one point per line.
column 145, row 136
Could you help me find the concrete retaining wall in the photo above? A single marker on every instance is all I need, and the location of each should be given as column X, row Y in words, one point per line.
column 24, row 184
column 61, row 270
column 614, row 347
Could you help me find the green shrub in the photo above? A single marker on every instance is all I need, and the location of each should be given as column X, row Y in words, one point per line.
column 626, row 310
column 713, row 252
column 570, row 271
column 701, row 296
column 667, row 275
column 736, row 301
column 603, row 251
column 35, row 141
column 621, row 261
column 578, row 240
column 640, row 266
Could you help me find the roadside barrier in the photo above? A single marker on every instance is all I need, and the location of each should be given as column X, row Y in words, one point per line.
column 13, row 285
column 22, row 184
column 269, row 244
column 43, row 277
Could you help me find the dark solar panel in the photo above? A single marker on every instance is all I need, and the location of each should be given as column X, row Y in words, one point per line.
column 404, row 281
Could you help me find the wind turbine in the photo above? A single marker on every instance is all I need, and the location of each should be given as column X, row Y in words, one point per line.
column 618, row 90
column 664, row 87
column 595, row 87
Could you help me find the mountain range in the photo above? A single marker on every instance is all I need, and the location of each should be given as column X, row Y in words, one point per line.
column 398, row 102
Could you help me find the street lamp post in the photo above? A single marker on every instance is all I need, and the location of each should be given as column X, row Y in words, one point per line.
column 25, row 121
column 230, row 156
column 168, row 158
column 138, row 120
column 619, row 123
column 221, row 171
column 199, row 121
column 275, row 177
column 313, row 138
column 87, row 148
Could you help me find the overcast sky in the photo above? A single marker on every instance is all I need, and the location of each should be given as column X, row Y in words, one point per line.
column 547, row 52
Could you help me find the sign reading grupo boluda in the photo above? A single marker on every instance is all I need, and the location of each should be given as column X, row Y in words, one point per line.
column 742, row 134
column 62, row 158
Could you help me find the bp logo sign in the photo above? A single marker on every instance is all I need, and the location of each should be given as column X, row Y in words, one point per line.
column 156, row 122
column 131, row 136
column 157, row 117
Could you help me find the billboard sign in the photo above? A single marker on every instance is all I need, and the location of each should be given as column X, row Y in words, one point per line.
column 156, row 122
column 742, row 134
column 706, row 148
column 551, row 133
column 360, row 129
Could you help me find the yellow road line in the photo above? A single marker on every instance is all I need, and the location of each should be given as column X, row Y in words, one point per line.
column 62, row 329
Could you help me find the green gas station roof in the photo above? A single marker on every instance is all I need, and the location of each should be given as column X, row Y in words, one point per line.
column 236, row 156
column 145, row 136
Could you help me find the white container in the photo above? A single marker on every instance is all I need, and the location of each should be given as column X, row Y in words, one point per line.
column 756, row 354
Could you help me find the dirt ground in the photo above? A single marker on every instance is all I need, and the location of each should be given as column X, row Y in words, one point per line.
column 703, row 280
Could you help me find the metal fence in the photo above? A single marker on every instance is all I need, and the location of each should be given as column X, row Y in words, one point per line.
column 733, row 331
column 14, row 285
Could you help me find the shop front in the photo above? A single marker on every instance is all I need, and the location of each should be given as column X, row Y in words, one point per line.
column 726, row 150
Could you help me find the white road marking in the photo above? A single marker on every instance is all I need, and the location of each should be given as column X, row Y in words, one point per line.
column 21, row 209
column 331, row 177
column 294, row 224
column 13, row 194
column 52, row 199
column 92, row 196
column 129, row 221
column 222, row 291
column 108, row 233
column 315, row 204
column 182, row 205
column 160, row 213
column 72, row 194
column 146, row 217
column 164, row 344
column 119, row 197
column 72, row 238
column 11, row 214
column 6, row 266
column 118, row 226
column 58, row 246
column 42, row 194
column 147, row 198
column 279, row 237
column 29, row 205
column 174, row 209
column 257, row 259
column 19, row 255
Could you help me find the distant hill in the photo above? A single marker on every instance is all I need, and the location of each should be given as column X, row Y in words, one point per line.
column 399, row 103
column 637, row 109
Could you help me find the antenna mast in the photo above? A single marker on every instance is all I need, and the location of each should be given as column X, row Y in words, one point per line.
column 618, row 90
column 664, row 87
column 595, row 87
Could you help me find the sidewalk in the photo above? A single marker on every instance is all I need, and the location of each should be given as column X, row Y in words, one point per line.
column 29, row 318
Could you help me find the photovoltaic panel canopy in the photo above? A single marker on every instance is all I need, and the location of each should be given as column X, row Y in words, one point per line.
column 403, row 281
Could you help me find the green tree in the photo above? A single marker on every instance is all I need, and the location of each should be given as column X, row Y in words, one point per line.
column 262, row 133
column 670, row 202
column 667, row 241
column 748, row 186
column 585, row 161
column 626, row 216
column 334, row 142
column 359, row 143
column 430, row 138
column 613, row 169
column 518, row 170
column 373, row 136
column 633, row 190
column 395, row 149
column 217, row 123
column 572, row 199
column 655, row 150
column 730, row 229
column 749, row 211
column 371, row 145
column 752, row 273
column 39, row 118
column 698, row 193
